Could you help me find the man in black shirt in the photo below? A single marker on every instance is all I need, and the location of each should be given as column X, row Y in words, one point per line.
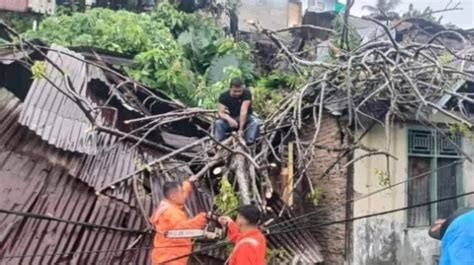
column 237, row 101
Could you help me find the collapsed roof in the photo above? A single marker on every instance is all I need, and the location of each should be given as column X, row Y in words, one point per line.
column 54, row 163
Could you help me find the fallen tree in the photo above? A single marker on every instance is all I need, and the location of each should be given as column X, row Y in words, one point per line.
column 404, row 81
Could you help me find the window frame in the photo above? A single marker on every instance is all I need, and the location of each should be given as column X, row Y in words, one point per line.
column 433, row 181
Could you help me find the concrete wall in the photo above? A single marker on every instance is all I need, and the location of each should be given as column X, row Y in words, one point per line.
column 272, row 14
column 386, row 239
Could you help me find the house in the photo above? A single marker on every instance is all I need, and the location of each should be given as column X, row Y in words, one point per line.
column 77, row 192
column 430, row 166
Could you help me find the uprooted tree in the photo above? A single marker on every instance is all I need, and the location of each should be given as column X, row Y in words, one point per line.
column 404, row 81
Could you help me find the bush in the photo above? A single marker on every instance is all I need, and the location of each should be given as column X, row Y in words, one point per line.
column 181, row 54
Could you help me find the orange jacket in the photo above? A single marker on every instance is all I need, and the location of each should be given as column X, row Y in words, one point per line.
column 249, row 247
column 172, row 216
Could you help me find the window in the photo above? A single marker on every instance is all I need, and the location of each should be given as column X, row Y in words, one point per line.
column 311, row 3
column 435, row 155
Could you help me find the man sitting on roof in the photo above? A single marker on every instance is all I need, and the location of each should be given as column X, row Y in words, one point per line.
column 170, row 215
column 238, row 102
column 250, row 243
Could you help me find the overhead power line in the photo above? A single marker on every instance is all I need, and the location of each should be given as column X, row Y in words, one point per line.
column 294, row 220
column 85, row 224
column 370, row 215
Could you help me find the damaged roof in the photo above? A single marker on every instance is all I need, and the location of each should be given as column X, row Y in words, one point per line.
column 53, row 164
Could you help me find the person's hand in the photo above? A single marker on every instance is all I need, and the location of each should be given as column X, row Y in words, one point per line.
column 223, row 220
column 193, row 178
column 202, row 217
column 240, row 133
column 233, row 123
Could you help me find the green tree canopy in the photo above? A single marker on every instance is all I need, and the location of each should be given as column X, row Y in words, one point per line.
column 174, row 51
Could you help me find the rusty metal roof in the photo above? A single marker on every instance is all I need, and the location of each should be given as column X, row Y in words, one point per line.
column 300, row 244
column 28, row 184
column 52, row 114
column 66, row 183
column 49, row 129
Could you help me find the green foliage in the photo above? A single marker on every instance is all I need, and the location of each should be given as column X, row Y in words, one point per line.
column 21, row 22
column 383, row 178
column 165, row 69
column 272, row 254
column 354, row 38
column 142, row 165
column 173, row 50
column 457, row 128
column 266, row 101
column 269, row 91
column 119, row 31
column 425, row 14
column 445, row 58
column 278, row 80
column 316, row 195
column 226, row 200
column 38, row 70
column 216, row 70
column 382, row 7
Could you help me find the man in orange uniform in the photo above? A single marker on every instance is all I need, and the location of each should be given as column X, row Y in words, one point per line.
column 250, row 244
column 170, row 215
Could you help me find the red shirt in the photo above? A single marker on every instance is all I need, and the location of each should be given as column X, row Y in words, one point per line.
column 249, row 247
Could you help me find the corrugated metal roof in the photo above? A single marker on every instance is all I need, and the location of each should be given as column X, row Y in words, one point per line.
column 10, row 55
column 28, row 184
column 53, row 133
column 37, row 187
column 54, row 116
column 299, row 243
column 61, row 187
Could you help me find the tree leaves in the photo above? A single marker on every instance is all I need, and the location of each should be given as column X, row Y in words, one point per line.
column 182, row 54
column 216, row 70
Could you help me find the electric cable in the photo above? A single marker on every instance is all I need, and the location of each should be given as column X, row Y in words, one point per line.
column 371, row 215
column 84, row 252
column 292, row 220
column 85, row 224
column 94, row 251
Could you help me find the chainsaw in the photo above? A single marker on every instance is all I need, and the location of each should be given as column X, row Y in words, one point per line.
column 210, row 232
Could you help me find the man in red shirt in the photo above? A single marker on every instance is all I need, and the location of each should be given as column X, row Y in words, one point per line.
column 250, row 244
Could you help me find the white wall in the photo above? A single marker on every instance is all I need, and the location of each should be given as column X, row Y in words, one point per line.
column 386, row 239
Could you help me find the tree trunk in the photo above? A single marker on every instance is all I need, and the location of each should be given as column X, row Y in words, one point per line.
column 241, row 175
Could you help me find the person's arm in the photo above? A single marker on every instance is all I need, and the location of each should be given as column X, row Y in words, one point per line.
column 187, row 187
column 223, row 115
column 244, row 109
column 181, row 222
column 232, row 230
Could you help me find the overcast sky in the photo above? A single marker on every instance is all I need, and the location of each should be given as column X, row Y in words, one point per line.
column 462, row 18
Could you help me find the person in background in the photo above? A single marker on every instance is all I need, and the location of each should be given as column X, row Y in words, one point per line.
column 170, row 215
column 250, row 243
column 457, row 237
column 238, row 102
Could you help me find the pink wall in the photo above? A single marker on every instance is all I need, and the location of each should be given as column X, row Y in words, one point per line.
column 14, row 5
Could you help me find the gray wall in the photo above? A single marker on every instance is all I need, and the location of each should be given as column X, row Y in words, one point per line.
column 272, row 14
column 380, row 241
